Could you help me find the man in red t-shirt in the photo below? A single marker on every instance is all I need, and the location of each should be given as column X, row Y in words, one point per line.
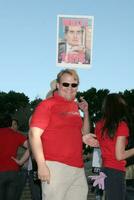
column 10, row 141
column 56, row 138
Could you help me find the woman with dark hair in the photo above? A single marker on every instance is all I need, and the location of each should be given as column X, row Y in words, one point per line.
column 112, row 132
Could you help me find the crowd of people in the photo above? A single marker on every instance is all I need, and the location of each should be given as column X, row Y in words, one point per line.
column 53, row 157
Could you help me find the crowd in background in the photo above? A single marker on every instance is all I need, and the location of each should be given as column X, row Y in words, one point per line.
column 45, row 160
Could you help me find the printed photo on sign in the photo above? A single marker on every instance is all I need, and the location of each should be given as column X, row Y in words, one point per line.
column 74, row 41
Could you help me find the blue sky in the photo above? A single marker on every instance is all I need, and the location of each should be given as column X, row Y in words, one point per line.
column 28, row 44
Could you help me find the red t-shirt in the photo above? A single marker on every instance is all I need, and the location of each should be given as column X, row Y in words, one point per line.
column 10, row 141
column 62, row 136
column 107, row 146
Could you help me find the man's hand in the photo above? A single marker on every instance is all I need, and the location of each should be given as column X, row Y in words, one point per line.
column 83, row 105
column 44, row 172
column 90, row 139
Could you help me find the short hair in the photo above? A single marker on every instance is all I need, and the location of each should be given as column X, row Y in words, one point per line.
column 71, row 72
column 5, row 121
column 66, row 29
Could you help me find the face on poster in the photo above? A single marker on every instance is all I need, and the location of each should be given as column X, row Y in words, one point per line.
column 74, row 41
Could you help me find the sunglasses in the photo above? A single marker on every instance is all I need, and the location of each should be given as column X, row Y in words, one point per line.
column 73, row 85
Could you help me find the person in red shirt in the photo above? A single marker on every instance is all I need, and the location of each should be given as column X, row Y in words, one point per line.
column 10, row 141
column 55, row 135
column 112, row 132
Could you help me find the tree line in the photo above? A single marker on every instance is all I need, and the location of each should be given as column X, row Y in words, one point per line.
column 19, row 106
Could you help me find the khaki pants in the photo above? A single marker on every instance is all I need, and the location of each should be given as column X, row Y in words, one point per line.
column 66, row 183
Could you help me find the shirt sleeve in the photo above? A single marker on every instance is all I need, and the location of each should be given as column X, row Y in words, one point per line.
column 41, row 116
column 123, row 129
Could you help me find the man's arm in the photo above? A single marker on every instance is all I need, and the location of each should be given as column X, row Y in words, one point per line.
column 37, row 149
column 88, row 138
column 86, row 124
column 83, row 105
column 91, row 140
